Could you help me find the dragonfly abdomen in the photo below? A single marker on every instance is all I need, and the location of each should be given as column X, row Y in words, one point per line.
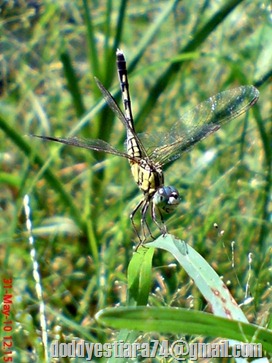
column 133, row 148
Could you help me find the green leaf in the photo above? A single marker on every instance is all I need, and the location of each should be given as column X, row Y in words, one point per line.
column 183, row 321
column 206, row 279
column 139, row 276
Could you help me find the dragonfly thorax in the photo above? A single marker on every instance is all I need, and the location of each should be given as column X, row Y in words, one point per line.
column 147, row 175
column 166, row 199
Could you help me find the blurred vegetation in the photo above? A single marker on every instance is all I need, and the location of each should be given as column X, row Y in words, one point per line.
column 178, row 53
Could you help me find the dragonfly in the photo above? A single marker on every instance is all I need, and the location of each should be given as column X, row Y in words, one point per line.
column 147, row 154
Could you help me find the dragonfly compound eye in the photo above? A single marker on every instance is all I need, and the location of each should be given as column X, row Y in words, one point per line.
column 166, row 199
column 174, row 198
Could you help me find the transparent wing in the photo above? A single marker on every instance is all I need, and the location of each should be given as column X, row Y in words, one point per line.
column 90, row 144
column 111, row 102
column 116, row 109
column 198, row 123
column 97, row 144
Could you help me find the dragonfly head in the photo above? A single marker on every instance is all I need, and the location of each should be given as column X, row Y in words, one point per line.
column 166, row 199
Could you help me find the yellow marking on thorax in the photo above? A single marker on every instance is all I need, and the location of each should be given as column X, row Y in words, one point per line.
column 148, row 180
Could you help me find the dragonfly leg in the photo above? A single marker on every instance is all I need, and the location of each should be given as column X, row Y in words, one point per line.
column 161, row 226
column 132, row 221
column 145, row 204
column 148, row 229
column 143, row 220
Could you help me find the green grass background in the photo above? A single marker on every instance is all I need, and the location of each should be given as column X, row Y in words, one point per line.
column 178, row 53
